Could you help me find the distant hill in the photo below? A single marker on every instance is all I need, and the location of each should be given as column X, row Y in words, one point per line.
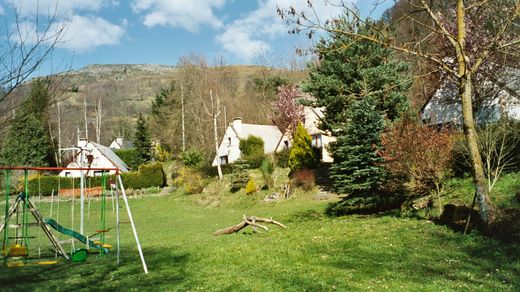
column 124, row 91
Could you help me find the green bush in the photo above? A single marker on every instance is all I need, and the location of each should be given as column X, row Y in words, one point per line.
column 149, row 175
column 282, row 158
column 190, row 180
column 267, row 169
column 129, row 156
column 193, row 158
column 240, row 176
column 302, row 154
column 252, row 149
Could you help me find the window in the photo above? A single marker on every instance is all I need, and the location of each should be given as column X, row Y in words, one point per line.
column 67, row 174
column 229, row 141
column 224, row 160
column 286, row 142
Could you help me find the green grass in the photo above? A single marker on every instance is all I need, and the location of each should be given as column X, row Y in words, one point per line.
column 461, row 190
column 314, row 253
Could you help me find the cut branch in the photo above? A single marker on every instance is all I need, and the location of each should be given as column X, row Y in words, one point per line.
column 248, row 221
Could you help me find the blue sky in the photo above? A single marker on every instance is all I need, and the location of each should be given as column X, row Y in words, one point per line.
column 161, row 31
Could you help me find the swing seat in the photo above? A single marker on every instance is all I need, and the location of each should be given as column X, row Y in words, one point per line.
column 17, row 251
column 102, row 231
column 107, row 246
column 45, row 263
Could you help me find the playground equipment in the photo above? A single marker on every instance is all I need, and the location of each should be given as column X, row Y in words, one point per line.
column 23, row 206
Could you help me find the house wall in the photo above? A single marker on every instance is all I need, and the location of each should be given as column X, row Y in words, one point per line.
column 100, row 161
column 229, row 146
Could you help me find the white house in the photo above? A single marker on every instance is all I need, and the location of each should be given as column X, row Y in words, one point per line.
column 320, row 139
column 274, row 141
column 445, row 107
column 121, row 143
column 229, row 151
column 94, row 156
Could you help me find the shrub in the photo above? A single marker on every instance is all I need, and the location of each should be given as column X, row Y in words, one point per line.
column 240, row 176
column 129, row 157
column 282, row 158
column 161, row 153
column 302, row 155
column 499, row 144
column 417, row 156
column 267, row 169
column 304, row 178
column 252, row 149
column 193, row 158
column 149, row 175
column 190, row 180
column 250, row 187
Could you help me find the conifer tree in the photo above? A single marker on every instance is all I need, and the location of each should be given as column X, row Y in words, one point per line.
column 143, row 145
column 302, row 155
column 27, row 143
column 348, row 70
column 357, row 169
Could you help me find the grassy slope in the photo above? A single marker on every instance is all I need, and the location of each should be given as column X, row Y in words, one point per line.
column 314, row 253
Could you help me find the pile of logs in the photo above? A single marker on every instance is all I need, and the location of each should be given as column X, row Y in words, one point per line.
column 248, row 221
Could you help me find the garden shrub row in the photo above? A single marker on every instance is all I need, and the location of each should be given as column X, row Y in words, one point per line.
column 148, row 175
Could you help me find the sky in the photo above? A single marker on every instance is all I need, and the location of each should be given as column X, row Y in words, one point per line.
column 162, row 31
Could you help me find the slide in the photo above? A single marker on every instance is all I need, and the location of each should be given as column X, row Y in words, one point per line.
column 74, row 234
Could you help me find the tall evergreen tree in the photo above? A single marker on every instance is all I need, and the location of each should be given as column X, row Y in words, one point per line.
column 142, row 141
column 349, row 70
column 28, row 142
column 357, row 169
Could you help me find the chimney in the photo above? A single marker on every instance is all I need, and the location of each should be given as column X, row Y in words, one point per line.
column 82, row 142
column 237, row 124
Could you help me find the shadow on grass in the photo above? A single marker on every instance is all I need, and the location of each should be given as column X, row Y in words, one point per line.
column 167, row 268
column 477, row 263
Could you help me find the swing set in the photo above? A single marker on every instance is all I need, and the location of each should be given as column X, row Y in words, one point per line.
column 15, row 224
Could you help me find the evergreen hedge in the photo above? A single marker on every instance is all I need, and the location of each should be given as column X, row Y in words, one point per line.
column 148, row 175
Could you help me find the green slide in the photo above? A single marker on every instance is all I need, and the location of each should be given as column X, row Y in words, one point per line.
column 74, row 234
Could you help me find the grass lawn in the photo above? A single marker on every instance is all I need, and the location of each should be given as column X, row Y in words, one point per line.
column 314, row 253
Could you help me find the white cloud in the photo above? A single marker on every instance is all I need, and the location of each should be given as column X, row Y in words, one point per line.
column 80, row 34
column 250, row 34
column 2, row 11
column 84, row 33
column 190, row 15
column 57, row 7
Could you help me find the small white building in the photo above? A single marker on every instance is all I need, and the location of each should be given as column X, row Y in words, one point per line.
column 229, row 151
column 274, row 141
column 94, row 156
column 445, row 107
column 320, row 139
column 120, row 143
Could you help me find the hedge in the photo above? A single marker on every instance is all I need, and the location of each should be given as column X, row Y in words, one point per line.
column 129, row 156
column 148, row 175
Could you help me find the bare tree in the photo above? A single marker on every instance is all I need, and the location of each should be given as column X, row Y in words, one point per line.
column 26, row 45
column 472, row 47
column 214, row 112
column 98, row 110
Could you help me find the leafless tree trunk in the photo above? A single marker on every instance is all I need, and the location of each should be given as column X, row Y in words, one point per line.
column 85, row 117
column 183, row 121
column 214, row 113
column 58, row 120
column 98, row 121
